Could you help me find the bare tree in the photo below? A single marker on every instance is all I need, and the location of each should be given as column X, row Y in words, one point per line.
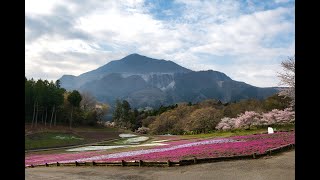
column 88, row 101
column 287, row 78
column 102, row 110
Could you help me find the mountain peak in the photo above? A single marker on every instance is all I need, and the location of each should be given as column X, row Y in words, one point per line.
column 133, row 57
column 134, row 64
column 135, row 54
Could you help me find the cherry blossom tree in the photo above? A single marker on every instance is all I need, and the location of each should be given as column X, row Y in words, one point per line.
column 287, row 78
column 247, row 119
column 278, row 117
column 251, row 118
column 226, row 123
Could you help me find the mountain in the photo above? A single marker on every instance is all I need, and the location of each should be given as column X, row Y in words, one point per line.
column 145, row 81
column 130, row 65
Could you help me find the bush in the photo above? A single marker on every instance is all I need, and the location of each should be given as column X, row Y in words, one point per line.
column 203, row 120
column 142, row 130
column 172, row 121
column 147, row 121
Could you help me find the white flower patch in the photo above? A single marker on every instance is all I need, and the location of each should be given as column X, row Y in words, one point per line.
column 150, row 144
column 135, row 140
column 148, row 151
column 159, row 141
column 127, row 135
column 94, row 148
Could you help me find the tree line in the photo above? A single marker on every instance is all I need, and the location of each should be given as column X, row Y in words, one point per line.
column 49, row 104
column 205, row 116
column 126, row 117
column 201, row 117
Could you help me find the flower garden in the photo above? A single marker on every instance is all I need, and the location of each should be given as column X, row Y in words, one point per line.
column 176, row 149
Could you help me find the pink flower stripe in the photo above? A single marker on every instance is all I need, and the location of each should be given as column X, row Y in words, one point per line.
column 177, row 150
column 245, row 147
column 45, row 158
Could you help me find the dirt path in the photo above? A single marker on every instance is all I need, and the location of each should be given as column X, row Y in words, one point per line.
column 281, row 166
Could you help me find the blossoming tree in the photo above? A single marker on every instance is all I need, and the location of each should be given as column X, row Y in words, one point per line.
column 251, row 118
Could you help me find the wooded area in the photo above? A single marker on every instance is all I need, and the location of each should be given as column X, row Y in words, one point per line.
column 49, row 104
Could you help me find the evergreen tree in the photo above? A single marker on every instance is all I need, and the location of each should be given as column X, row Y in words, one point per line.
column 74, row 99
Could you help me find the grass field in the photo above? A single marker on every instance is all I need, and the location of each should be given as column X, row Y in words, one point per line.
column 237, row 132
column 59, row 136
column 52, row 139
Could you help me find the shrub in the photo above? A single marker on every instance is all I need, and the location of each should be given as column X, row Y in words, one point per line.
column 171, row 121
column 148, row 120
column 203, row 120
column 142, row 130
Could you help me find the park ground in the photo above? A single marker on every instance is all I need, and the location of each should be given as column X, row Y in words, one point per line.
column 277, row 167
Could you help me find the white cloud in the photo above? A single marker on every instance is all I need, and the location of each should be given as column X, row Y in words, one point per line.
column 37, row 7
column 125, row 27
column 281, row 1
column 244, row 35
column 208, row 11
column 119, row 28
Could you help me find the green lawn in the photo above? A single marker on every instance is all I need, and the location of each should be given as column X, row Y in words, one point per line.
column 237, row 132
column 59, row 136
column 51, row 139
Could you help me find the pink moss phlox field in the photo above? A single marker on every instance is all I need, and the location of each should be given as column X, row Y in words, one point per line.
column 148, row 151
column 245, row 146
column 46, row 158
column 178, row 150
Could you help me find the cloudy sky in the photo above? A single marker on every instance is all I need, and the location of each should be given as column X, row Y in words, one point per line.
column 245, row 39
